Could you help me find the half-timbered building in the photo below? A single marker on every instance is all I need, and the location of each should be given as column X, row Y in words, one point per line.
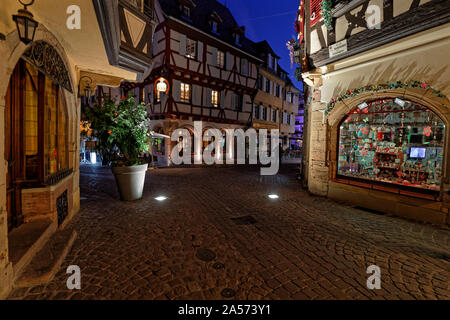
column 276, row 102
column 205, row 69
column 378, row 108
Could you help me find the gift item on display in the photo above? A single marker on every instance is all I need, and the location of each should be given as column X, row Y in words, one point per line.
column 391, row 143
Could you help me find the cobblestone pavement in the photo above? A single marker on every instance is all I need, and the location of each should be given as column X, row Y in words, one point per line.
column 297, row 247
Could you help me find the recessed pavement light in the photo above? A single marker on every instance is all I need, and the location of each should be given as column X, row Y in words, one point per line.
column 273, row 196
column 161, row 198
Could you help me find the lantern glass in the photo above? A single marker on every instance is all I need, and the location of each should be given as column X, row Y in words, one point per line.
column 26, row 27
column 32, row 26
column 87, row 92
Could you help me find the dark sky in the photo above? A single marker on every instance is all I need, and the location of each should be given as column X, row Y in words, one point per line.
column 271, row 20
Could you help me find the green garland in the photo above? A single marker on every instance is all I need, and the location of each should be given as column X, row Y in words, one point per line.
column 375, row 88
column 327, row 6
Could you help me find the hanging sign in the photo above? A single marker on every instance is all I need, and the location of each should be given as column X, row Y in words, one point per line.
column 161, row 85
column 338, row 48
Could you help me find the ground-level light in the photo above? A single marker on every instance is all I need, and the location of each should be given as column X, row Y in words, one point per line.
column 161, row 198
column 273, row 196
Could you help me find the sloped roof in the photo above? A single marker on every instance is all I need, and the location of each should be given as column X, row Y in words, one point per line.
column 264, row 47
column 200, row 19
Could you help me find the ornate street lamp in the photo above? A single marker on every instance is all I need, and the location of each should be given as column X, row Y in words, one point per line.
column 26, row 25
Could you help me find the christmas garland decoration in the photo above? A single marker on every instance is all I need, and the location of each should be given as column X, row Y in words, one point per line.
column 375, row 88
column 326, row 7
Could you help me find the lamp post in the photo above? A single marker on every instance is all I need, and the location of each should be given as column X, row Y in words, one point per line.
column 26, row 25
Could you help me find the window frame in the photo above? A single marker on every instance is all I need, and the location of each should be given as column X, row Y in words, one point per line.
column 183, row 87
column 185, row 11
column 216, row 24
column 191, row 44
column 215, row 104
column 221, row 59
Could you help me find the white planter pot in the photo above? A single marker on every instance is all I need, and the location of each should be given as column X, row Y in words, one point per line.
column 130, row 181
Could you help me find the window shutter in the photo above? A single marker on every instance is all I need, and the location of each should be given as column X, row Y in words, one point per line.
column 197, row 95
column 200, row 51
column 229, row 62
column 316, row 11
column 263, row 84
column 155, row 45
column 176, row 89
column 208, row 97
column 182, row 45
column 214, row 57
column 222, row 99
column 261, row 112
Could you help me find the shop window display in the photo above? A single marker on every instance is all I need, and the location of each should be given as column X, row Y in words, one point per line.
column 393, row 141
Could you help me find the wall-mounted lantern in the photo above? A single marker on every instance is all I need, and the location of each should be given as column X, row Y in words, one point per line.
column 26, row 25
column 87, row 92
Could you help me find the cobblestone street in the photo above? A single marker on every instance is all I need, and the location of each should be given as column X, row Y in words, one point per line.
column 219, row 236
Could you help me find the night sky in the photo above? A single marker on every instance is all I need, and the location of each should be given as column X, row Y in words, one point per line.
column 271, row 20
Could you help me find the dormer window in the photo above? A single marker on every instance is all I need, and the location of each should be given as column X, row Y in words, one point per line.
column 186, row 7
column 186, row 12
column 237, row 38
column 215, row 20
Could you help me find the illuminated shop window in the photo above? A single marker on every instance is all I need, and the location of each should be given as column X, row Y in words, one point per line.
column 393, row 141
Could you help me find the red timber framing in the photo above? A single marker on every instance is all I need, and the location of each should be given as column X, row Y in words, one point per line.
column 202, row 76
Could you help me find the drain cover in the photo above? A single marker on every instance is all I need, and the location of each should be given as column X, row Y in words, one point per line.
column 228, row 293
column 244, row 221
column 205, row 255
column 218, row 266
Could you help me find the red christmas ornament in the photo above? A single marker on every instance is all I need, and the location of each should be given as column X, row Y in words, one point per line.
column 380, row 136
column 427, row 131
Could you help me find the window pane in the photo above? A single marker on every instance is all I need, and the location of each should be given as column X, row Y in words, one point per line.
column 62, row 134
column 191, row 48
column 185, row 92
column 31, row 122
column 215, row 98
column 51, row 113
column 386, row 142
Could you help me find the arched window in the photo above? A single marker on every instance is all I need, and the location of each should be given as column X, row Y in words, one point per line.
column 42, row 136
column 392, row 141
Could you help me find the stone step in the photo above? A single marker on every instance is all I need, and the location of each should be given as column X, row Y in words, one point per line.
column 26, row 241
column 48, row 260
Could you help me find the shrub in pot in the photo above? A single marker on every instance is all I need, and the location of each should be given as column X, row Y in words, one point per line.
column 123, row 132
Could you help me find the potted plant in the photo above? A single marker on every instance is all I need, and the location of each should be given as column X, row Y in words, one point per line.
column 123, row 132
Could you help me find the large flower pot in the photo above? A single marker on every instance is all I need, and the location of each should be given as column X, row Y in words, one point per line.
column 130, row 181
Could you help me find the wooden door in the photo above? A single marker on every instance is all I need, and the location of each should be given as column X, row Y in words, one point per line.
column 13, row 150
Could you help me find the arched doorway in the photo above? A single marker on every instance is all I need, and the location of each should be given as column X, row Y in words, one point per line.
column 36, row 127
column 394, row 142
